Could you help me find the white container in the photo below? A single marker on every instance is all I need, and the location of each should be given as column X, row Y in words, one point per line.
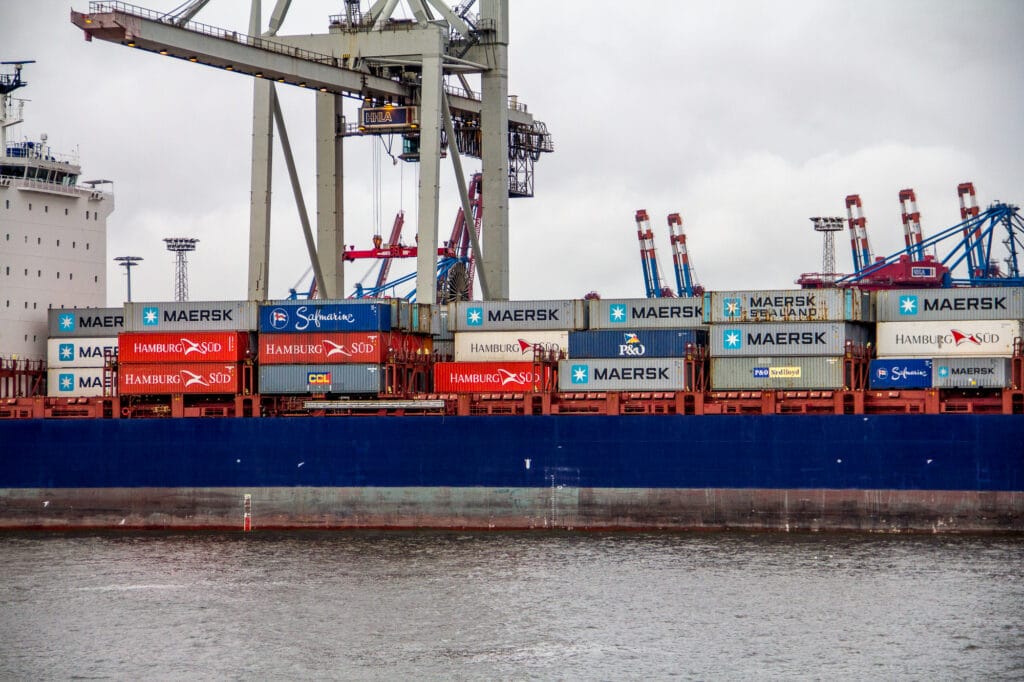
column 984, row 338
column 507, row 346
column 77, row 382
column 80, row 352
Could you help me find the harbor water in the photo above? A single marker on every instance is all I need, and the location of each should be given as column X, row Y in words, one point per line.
column 431, row 605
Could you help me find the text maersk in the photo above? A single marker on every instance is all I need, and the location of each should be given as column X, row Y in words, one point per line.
column 666, row 312
column 222, row 315
column 970, row 303
column 631, row 373
column 786, row 338
column 528, row 315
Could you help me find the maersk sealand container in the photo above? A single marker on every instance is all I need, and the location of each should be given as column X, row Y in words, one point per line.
column 788, row 305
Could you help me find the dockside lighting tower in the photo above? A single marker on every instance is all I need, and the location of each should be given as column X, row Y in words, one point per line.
column 180, row 246
column 828, row 228
column 128, row 262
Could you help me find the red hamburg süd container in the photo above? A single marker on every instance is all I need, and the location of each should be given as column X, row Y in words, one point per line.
column 338, row 347
column 170, row 378
column 481, row 377
column 161, row 347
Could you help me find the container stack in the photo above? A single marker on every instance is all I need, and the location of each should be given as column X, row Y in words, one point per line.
column 946, row 338
column 785, row 339
column 185, row 347
column 634, row 345
column 337, row 347
column 495, row 343
column 79, row 341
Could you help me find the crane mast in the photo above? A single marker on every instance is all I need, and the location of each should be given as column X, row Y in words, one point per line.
column 859, row 244
column 911, row 224
column 649, row 257
column 680, row 256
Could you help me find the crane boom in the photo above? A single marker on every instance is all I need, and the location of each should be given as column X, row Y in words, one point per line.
column 911, row 224
column 680, row 256
column 859, row 244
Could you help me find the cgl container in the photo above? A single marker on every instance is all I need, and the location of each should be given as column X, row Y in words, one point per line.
column 183, row 347
column 635, row 343
column 354, row 379
column 759, row 373
column 508, row 346
column 907, row 373
column 971, row 373
column 970, row 303
column 786, row 338
column 78, row 382
column 644, row 374
column 788, row 305
column 86, row 322
column 516, row 315
column 179, row 377
column 80, row 352
column 982, row 338
column 190, row 316
column 646, row 313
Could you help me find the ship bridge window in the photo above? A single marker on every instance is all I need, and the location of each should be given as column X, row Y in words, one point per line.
column 65, row 211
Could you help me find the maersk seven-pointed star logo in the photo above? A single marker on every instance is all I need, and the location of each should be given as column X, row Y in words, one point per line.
column 66, row 352
column 66, row 382
column 617, row 312
column 908, row 305
column 943, row 372
column 580, row 374
column 150, row 316
column 474, row 317
column 66, row 322
column 732, row 339
column 731, row 307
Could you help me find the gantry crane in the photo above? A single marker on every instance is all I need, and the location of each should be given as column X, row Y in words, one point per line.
column 685, row 281
column 680, row 258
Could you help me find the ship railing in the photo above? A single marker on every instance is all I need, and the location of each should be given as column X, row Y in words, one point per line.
column 51, row 187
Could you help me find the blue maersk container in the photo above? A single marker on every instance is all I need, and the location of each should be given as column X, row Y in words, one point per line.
column 900, row 373
column 635, row 343
column 306, row 316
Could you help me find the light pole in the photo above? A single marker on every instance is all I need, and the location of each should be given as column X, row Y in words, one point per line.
column 127, row 262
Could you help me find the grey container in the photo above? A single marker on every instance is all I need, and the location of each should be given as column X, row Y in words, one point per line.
column 786, row 338
column 950, row 305
column 439, row 325
column 191, row 316
column 303, row 379
column 646, row 313
column 95, row 322
column 482, row 316
column 971, row 373
column 788, row 305
column 647, row 374
column 796, row 373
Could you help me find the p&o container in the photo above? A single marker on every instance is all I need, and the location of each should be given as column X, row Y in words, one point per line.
column 796, row 373
column 635, row 343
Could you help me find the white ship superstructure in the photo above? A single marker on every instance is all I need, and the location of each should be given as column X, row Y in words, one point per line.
column 53, row 235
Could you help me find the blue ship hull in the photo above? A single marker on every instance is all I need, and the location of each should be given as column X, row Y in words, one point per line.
column 879, row 473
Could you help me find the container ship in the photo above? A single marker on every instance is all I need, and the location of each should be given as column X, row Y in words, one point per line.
column 892, row 403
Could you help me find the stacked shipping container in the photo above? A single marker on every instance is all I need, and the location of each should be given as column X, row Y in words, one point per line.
column 79, row 341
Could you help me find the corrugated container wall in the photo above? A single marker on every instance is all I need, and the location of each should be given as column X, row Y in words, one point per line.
column 172, row 378
column 88, row 322
column 185, row 346
column 991, row 338
column 361, row 315
column 172, row 316
column 483, row 377
column 786, row 338
column 644, row 374
column 78, row 382
column 795, row 373
column 439, row 325
column 908, row 373
column 972, row 373
column 975, row 303
column 80, row 352
column 507, row 346
column 480, row 316
column 300, row 379
column 339, row 347
column 637, row 343
column 788, row 305
column 646, row 313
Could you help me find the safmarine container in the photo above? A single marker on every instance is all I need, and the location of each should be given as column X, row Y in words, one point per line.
column 178, row 377
column 786, row 338
column 788, row 305
column 481, row 316
column 485, row 377
column 643, row 374
column 796, row 373
column 183, row 347
column 85, row 322
column 981, row 338
column 508, row 346
column 80, row 352
column 190, row 316
column 972, row 373
column 363, row 378
column 332, row 316
column 635, row 343
column 907, row 373
column 78, row 382
column 646, row 313
column 974, row 303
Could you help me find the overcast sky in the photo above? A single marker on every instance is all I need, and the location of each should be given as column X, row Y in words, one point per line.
column 745, row 117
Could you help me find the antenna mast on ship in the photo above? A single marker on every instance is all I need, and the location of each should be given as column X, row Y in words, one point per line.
column 10, row 113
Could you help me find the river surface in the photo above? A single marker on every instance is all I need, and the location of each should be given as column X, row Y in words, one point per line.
column 429, row 605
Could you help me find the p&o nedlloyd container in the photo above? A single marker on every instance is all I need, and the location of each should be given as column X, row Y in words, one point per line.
column 646, row 313
column 974, row 303
column 762, row 373
column 972, row 373
column 173, row 316
column 635, row 343
column 468, row 316
column 642, row 374
column 979, row 338
column 508, row 346
column 785, row 338
column 88, row 322
column 788, row 305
